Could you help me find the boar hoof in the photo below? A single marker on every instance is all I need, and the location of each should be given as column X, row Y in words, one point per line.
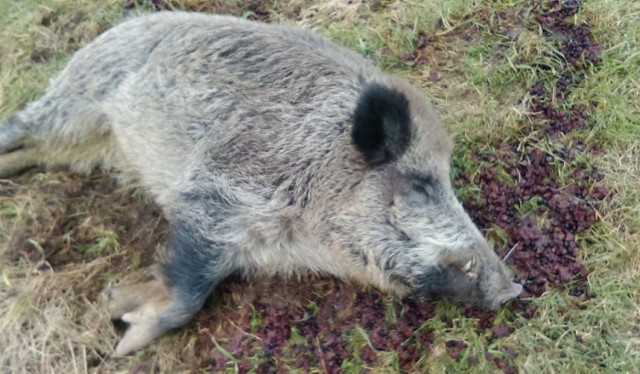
column 127, row 298
column 148, row 309
column 144, row 326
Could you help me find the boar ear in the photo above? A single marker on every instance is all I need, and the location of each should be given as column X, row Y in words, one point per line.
column 381, row 124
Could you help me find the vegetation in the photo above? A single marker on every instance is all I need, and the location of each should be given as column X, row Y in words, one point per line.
column 542, row 99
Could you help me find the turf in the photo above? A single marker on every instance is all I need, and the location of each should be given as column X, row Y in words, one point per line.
column 542, row 99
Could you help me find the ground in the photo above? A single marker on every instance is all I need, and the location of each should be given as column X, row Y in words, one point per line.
column 542, row 100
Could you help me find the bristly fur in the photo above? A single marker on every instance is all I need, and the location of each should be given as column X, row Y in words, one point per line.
column 271, row 150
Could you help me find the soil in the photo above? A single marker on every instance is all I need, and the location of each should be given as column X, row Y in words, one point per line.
column 545, row 251
column 324, row 315
column 74, row 216
column 318, row 323
column 543, row 243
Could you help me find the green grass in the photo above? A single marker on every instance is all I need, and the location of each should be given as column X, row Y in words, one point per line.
column 486, row 63
column 107, row 243
column 30, row 53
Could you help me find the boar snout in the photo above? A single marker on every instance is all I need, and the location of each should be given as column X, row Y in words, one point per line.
column 482, row 281
column 513, row 291
column 497, row 284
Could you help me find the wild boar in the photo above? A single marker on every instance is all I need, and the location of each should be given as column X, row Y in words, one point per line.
column 270, row 150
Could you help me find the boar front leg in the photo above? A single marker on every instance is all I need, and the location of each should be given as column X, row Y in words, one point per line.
column 190, row 268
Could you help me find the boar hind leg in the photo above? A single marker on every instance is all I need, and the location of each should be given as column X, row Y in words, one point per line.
column 55, row 131
column 14, row 155
column 12, row 135
column 17, row 161
column 192, row 266
column 127, row 298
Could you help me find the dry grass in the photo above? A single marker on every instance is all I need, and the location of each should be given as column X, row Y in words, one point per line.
column 63, row 238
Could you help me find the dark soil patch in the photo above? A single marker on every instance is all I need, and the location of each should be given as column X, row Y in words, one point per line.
column 543, row 245
column 287, row 324
column 76, row 215
column 546, row 254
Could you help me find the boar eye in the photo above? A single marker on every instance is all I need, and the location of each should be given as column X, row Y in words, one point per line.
column 424, row 184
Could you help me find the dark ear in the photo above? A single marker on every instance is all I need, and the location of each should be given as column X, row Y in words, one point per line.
column 381, row 124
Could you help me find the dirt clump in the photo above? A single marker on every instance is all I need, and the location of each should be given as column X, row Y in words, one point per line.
column 314, row 324
column 543, row 240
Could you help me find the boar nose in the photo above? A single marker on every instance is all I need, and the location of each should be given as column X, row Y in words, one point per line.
column 510, row 293
column 516, row 290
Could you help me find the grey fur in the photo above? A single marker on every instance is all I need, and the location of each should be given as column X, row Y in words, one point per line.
column 242, row 132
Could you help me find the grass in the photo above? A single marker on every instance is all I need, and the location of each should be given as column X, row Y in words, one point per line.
column 61, row 242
